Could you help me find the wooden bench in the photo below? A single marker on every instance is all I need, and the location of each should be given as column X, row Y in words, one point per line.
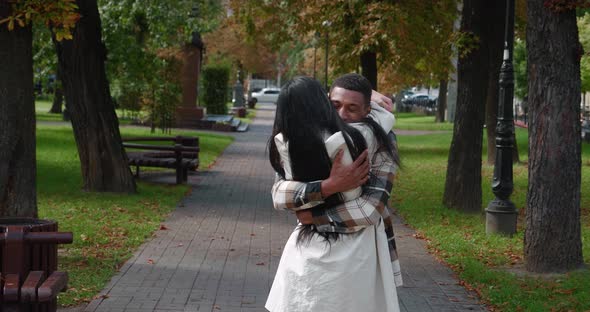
column 29, row 280
column 182, row 156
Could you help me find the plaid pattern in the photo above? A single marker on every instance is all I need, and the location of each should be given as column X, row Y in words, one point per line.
column 293, row 195
column 351, row 216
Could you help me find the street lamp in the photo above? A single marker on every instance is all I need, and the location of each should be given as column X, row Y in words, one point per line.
column 501, row 213
column 326, row 24
column 316, row 38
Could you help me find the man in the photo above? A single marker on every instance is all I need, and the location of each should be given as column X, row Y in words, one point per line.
column 351, row 95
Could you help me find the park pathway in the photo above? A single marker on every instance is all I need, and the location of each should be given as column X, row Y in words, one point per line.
column 219, row 250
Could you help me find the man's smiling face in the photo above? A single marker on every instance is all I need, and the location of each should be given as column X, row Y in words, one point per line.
column 350, row 104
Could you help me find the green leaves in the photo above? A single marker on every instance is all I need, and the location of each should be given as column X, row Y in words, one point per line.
column 584, row 33
column 60, row 15
column 412, row 39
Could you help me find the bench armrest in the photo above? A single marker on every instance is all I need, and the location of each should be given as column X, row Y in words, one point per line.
column 177, row 147
column 186, row 141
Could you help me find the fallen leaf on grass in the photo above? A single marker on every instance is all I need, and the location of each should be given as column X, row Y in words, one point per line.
column 565, row 291
column 418, row 235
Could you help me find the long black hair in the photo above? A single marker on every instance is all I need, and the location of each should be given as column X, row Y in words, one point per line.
column 358, row 83
column 305, row 116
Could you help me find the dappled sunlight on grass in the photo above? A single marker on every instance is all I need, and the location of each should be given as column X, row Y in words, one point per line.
column 107, row 227
column 412, row 121
column 484, row 263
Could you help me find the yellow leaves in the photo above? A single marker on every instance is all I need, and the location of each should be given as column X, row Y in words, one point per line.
column 63, row 34
column 60, row 15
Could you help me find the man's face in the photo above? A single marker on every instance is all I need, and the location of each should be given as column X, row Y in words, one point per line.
column 350, row 104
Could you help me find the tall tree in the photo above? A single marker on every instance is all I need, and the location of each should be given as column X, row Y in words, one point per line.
column 18, row 195
column 383, row 36
column 552, row 241
column 463, row 180
column 229, row 41
column 96, row 127
column 45, row 66
column 442, row 101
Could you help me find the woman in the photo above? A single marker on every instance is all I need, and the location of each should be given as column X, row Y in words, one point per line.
column 322, row 271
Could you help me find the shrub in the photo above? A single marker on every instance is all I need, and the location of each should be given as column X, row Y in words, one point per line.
column 215, row 81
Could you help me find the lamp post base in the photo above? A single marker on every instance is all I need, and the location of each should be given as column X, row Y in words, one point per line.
column 501, row 217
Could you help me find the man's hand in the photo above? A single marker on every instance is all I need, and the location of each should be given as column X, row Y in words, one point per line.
column 343, row 178
column 304, row 216
column 382, row 100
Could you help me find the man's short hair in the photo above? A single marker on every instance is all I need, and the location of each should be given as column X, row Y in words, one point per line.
column 354, row 82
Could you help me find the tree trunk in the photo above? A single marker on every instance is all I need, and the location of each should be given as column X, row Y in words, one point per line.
column 58, row 95
column 88, row 101
column 552, row 241
column 369, row 67
column 58, row 99
column 442, row 101
column 463, row 180
column 18, row 194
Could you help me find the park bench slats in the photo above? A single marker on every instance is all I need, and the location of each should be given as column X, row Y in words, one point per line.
column 57, row 282
column 11, row 287
column 28, row 260
column 30, row 286
column 182, row 156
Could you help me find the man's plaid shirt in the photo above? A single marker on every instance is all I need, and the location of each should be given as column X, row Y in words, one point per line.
column 351, row 216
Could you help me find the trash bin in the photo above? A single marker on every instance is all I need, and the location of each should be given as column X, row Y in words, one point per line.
column 29, row 278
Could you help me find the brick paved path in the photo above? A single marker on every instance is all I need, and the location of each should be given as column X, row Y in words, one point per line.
column 224, row 241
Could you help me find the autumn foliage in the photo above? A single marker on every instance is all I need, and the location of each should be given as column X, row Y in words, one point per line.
column 59, row 15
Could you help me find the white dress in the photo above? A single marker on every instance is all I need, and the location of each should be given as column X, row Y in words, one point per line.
column 351, row 274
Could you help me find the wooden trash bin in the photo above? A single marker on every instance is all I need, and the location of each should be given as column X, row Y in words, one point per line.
column 29, row 280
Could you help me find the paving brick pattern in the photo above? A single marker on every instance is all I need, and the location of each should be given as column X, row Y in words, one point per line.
column 223, row 243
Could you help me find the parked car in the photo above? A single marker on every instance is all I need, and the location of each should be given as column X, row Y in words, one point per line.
column 266, row 95
column 420, row 102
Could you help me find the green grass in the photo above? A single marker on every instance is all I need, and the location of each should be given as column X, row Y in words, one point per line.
column 412, row 121
column 42, row 107
column 107, row 227
column 484, row 262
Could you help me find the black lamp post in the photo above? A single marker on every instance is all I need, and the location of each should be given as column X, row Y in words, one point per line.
column 316, row 38
column 501, row 213
column 326, row 24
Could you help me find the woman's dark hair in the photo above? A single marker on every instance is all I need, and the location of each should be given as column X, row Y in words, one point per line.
column 358, row 83
column 305, row 116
